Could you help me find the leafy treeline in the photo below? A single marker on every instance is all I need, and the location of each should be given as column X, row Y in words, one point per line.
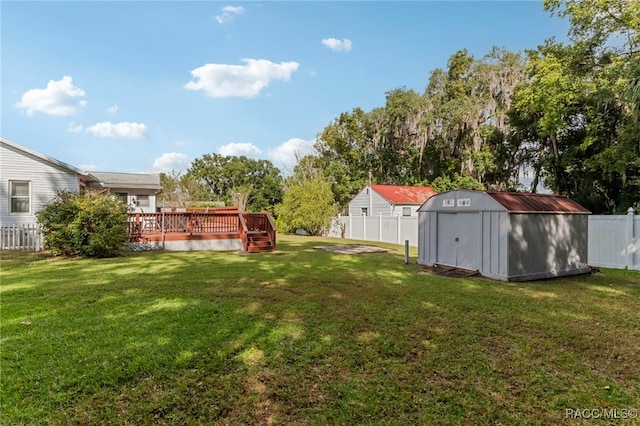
column 253, row 185
column 457, row 128
column 566, row 115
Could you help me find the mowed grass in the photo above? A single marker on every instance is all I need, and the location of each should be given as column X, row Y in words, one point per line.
column 303, row 336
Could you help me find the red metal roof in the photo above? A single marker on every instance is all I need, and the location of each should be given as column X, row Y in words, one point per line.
column 404, row 194
column 527, row 202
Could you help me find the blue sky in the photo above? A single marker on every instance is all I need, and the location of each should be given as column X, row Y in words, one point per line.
column 150, row 86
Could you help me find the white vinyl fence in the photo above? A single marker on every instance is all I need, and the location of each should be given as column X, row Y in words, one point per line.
column 21, row 237
column 614, row 241
column 386, row 229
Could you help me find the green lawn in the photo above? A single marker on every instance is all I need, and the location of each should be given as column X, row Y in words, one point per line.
column 303, row 336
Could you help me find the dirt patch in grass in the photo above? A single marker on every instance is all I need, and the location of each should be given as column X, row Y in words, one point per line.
column 449, row 271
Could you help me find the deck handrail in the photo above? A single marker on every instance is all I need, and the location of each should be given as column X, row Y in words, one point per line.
column 141, row 224
column 271, row 230
column 243, row 231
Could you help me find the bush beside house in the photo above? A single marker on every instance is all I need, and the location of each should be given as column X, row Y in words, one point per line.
column 88, row 224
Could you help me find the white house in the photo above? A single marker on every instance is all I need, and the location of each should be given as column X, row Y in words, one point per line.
column 389, row 200
column 137, row 190
column 29, row 180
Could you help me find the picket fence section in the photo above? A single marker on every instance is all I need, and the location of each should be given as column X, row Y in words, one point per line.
column 614, row 241
column 21, row 237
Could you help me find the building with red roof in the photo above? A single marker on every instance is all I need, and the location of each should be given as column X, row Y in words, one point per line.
column 389, row 200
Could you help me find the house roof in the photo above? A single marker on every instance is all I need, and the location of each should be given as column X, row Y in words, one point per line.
column 128, row 180
column 43, row 157
column 404, row 194
column 527, row 202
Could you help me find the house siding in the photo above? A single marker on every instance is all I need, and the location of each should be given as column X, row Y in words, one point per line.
column 377, row 206
column 133, row 194
column 397, row 210
column 45, row 179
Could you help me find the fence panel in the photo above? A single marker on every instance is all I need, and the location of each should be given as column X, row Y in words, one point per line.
column 387, row 229
column 634, row 246
column 614, row 241
column 21, row 237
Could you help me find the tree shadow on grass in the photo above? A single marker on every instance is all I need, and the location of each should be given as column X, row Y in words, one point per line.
column 301, row 335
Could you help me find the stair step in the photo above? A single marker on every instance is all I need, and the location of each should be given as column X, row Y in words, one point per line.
column 261, row 244
column 260, row 240
column 259, row 249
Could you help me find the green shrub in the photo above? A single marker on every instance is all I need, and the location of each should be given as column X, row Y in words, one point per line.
column 87, row 224
column 308, row 206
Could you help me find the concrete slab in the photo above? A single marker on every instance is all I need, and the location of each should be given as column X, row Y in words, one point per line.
column 352, row 249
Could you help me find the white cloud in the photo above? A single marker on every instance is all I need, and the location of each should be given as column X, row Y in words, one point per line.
column 290, row 151
column 170, row 161
column 238, row 149
column 244, row 81
column 59, row 98
column 343, row 45
column 108, row 129
column 228, row 12
column 112, row 109
column 74, row 128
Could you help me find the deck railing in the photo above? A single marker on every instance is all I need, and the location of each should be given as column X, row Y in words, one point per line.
column 243, row 230
column 145, row 224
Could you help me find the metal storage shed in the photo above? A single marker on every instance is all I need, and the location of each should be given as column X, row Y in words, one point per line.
column 508, row 236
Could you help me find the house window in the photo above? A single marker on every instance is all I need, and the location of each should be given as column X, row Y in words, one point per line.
column 142, row 201
column 364, row 211
column 406, row 211
column 20, row 196
column 123, row 196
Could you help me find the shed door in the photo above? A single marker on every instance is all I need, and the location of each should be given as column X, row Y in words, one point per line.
column 458, row 240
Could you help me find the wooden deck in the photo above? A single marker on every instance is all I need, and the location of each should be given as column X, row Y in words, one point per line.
column 256, row 231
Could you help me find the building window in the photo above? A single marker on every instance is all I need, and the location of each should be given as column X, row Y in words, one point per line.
column 20, row 196
column 364, row 211
column 142, row 201
column 123, row 196
column 406, row 211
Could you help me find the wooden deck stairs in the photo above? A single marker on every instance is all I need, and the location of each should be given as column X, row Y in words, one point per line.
column 259, row 242
column 257, row 232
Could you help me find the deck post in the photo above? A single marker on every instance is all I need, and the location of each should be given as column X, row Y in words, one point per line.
column 163, row 220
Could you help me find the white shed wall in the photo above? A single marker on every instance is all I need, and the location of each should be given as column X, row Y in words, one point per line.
column 547, row 245
column 481, row 235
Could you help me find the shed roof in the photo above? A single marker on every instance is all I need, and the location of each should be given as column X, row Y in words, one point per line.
column 404, row 194
column 128, row 180
column 528, row 202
